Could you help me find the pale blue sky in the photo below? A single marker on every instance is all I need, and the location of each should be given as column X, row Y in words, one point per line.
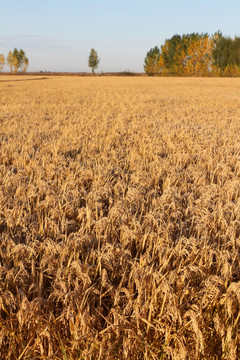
column 57, row 35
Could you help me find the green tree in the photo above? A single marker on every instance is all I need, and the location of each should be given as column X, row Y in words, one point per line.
column 2, row 61
column 235, row 52
column 222, row 52
column 17, row 60
column 152, row 63
column 93, row 60
column 227, row 52
column 169, row 50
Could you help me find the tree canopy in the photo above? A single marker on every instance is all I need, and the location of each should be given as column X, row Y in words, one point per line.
column 2, row 61
column 17, row 60
column 93, row 60
column 195, row 55
column 227, row 52
column 152, row 61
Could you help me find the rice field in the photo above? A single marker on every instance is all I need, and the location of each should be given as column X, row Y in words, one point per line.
column 119, row 218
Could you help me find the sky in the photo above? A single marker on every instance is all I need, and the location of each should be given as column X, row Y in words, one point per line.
column 57, row 35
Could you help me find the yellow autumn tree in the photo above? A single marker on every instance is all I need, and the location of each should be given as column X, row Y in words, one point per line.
column 179, row 61
column 164, row 50
column 17, row 60
column 199, row 56
column 2, row 61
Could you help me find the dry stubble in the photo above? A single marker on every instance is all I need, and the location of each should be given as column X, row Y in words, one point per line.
column 119, row 218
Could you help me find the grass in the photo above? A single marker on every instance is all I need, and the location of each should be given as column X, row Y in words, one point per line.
column 119, row 218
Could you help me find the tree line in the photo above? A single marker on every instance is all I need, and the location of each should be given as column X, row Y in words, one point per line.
column 195, row 55
column 182, row 55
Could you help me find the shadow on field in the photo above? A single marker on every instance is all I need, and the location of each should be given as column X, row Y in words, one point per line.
column 44, row 78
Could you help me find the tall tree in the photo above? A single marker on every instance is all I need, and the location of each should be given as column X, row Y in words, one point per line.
column 152, row 62
column 235, row 52
column 169, row 50
column 222, row 52
column 17, row 60
column 2, row 61
column 199, row 58
column 93, row 60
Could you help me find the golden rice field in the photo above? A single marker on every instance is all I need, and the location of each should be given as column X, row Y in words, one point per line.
column 119, row 218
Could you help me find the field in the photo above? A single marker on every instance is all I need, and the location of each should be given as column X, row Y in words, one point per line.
column 119, row 218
